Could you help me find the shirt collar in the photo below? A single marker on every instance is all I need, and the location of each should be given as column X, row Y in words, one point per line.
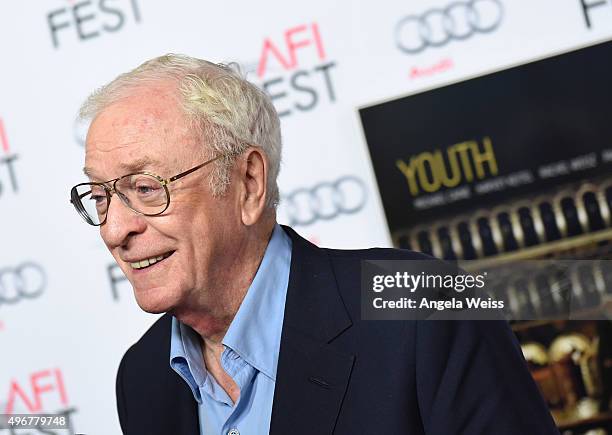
column 185, row 353
column 255, row 331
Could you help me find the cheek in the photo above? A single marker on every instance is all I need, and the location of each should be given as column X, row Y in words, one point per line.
column 208, row 214
column 188, row 226
column 205, row 236
column 202, row 225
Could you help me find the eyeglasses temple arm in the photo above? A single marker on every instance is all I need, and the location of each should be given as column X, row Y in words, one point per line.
column 189, row 171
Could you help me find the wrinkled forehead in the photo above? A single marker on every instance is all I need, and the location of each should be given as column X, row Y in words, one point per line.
column 146, row 131
column 148, row 110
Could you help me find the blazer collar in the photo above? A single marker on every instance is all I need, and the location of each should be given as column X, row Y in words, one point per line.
column 313, row 305
column 312, row 375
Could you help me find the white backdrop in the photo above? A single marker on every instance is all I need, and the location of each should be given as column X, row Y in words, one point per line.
column 66, row 315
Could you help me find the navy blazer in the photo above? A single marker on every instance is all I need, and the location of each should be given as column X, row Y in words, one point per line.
column 338, row 374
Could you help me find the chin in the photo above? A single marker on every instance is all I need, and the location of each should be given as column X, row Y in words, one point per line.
column 154, row 301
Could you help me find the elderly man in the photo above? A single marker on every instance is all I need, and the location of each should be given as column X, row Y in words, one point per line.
column 263, row 331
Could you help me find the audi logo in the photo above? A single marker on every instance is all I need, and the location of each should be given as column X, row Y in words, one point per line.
column 323, row 201
column 457, row 21
column 26, row 281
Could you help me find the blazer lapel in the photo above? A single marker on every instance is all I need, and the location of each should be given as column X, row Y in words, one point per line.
column 182, row 408
column 312, row 377
column 168, row 406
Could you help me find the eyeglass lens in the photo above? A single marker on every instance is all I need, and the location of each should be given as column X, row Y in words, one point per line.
column 140, row 192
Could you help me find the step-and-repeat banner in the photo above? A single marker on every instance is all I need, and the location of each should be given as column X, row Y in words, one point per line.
column 395, row 115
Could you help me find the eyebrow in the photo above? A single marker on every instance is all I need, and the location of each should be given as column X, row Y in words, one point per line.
column 133, row 166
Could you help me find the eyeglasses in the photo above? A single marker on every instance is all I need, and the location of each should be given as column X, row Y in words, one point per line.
column 143, row 192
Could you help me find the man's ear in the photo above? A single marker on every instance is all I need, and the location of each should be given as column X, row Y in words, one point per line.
column 253, row 176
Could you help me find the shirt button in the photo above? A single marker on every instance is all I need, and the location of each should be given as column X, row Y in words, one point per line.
column 233, row 432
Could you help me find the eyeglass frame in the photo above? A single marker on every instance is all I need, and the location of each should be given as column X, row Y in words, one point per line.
column 111, row 190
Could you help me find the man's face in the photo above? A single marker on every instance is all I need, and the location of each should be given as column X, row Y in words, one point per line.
column 196, row 235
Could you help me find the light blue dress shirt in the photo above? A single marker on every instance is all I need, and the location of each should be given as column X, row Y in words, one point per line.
column 250, row 357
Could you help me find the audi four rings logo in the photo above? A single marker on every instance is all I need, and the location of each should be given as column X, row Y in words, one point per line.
column 457, row 21
column 26, row 281
column 323, row 201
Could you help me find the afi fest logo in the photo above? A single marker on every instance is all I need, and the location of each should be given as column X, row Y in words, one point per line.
column 8, row 176
column 302, row 84
column 84, row 20
column 22, row 282
column 596, row 10
column 42, row 392
column 117, row 280
column 437, row 27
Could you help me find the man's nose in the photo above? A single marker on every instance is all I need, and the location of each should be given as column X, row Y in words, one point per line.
column 121, row 224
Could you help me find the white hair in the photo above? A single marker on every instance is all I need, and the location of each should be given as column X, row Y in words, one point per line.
column 228, row 112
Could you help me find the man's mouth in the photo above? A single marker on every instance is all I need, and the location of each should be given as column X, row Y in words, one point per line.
column 147, row 262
